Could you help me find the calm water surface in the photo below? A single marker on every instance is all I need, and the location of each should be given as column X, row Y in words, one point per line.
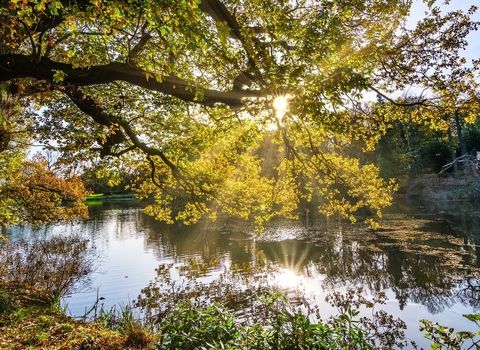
column 426, row 258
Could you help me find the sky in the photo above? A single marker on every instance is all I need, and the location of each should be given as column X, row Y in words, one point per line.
column 418, row 11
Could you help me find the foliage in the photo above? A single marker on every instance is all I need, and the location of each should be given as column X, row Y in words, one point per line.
column 33, row 323
column 182, row 92
column 472, row 139
column 446, row 338
column 32, row 193
column 286, row 327
column 32, row 190
column 107, row 176
column 59, row 265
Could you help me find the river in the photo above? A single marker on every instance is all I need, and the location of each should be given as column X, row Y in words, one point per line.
column 426, row 257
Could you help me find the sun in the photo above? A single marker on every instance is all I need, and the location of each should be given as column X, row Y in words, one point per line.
column 280, row 104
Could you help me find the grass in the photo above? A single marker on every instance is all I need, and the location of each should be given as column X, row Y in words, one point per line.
column 33, row 321
column 103, row 196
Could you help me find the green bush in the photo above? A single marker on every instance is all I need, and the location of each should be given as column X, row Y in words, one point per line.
column 447, row 338
column 287, row 327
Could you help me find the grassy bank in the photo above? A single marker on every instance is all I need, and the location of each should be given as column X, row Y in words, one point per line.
column 30, row 319
column 107, row 196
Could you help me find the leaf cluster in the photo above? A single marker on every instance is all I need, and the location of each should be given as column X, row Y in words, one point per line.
column 182, row 91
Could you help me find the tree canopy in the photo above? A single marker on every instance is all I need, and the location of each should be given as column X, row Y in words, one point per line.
column 183, row 91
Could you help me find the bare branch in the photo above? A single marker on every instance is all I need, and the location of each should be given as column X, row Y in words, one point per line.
column 402, row 104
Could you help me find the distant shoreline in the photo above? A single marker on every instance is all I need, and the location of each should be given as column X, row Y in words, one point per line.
column 113, row 196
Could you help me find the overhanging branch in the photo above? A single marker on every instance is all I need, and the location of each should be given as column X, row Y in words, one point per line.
column 87, row 105
column 14, row 66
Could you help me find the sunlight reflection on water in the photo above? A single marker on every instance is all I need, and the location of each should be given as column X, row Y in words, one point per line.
column 421, row 260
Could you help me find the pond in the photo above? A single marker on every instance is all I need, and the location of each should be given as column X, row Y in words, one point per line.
column 426, row 258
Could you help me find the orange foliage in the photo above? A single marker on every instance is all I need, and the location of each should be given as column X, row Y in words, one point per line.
column 37, row 195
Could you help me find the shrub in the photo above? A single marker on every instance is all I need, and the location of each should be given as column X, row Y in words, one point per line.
column 59, row 265
column 287, row 326
column 447, row 338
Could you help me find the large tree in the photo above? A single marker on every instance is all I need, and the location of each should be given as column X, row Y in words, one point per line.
column 190, row 93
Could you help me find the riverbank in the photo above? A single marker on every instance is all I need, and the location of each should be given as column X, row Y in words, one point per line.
column 444, row 188
column 30, row 319
column 109, row 196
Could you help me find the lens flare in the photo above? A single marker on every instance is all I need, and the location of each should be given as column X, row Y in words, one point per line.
column 280, row 104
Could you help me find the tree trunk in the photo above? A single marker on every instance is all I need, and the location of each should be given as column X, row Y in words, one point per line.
column 461, row 143
column 452, row 150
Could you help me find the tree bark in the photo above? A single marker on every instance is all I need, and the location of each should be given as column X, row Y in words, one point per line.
column 13, row 66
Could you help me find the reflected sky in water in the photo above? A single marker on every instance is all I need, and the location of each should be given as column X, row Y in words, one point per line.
column 426, row 258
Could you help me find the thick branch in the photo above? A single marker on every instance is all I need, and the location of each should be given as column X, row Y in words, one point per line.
column 22, row 66
column 87, row 105
column 220, row 13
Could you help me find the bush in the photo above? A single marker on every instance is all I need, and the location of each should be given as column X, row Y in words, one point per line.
column 59, row 265
column 190, row 326
column 447, row 338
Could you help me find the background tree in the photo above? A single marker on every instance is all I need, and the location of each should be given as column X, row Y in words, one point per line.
column 30, row 190
column 185, row 90
column 32, row 193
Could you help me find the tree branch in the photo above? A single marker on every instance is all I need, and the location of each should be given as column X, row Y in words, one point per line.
column 401, row 104
column 14, row 66
column 87, row 105
column 219, row 13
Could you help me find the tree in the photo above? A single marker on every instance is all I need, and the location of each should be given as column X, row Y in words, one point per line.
column 32, row 193
column 184, row 90
column 30, row 190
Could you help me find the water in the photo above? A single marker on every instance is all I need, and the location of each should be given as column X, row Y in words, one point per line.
column 426, row 258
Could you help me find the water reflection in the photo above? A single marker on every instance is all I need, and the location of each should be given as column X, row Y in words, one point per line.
column 424, row 254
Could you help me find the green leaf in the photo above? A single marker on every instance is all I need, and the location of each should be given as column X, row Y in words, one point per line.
column 59, row 75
